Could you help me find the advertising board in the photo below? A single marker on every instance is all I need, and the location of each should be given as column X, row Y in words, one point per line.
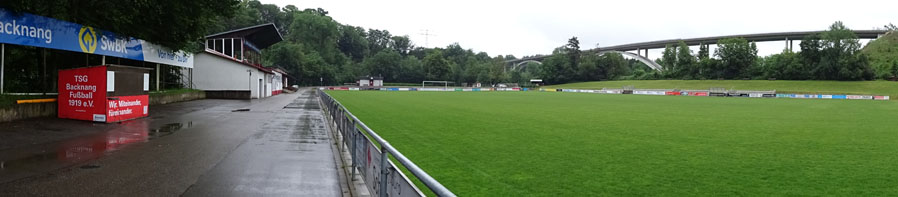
column 82, row 94
column 698, row 93
column 649, row 92
column 38, row 31
column 860, row 97
column 127, row 107
column 91, row 93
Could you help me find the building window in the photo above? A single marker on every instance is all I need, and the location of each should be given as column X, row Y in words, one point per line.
column 218, row 46
column 238, row 50
column 229, row 47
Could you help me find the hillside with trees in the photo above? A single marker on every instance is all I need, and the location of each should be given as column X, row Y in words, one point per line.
column 318, row 50
column 883, row 54
column 317, row 47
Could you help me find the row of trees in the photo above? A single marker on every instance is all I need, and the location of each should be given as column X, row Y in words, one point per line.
column 568, row 63
column 833, row 55
column 319, row 50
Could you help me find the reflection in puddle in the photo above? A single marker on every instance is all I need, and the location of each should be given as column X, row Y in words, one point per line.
column 18, row 163
column 85, row 148
column 168, row 129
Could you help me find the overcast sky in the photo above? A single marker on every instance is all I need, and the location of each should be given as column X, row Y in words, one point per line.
column 536, row 27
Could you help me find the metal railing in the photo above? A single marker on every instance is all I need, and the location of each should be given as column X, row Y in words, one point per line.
column 366, row 163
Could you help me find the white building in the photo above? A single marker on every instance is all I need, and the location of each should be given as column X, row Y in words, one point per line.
column 231, row 66
column 371, row 81
column 278, row 81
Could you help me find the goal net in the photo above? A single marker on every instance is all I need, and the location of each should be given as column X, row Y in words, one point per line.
column 441, row 84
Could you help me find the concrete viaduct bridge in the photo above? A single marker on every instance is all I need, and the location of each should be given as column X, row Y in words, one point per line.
column 642, row 48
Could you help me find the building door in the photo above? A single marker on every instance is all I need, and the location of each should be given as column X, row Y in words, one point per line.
column 261, row 89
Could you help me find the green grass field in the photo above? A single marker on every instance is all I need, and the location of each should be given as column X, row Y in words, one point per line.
column 883, row 88
column 580, row 144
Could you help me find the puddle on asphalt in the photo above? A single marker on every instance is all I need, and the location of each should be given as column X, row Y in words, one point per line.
column 168, row 129
column 80, row 149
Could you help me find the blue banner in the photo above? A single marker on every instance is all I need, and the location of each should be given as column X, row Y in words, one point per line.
column 38, row 31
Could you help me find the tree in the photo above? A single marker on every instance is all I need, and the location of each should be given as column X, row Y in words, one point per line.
column 509, row 57
column 668, row 59
column 882, row 54
column 497, row 71
column 572, row 49
column 703, row 52
column 385, row 64
column 353, row 43
column 737, row 56
column 531, row 70
column 411, row 70
column 890, row 27
column 378, row 40
column 710, row 68
column 841, row 58
column 401, row 44
column 613, row 65
column 556, row 68
column 685, row 61
column 270, row 13
column 588, row 69
column 810, row 55
column 785, row 65
column 316, row 32
column 894, row 70
column 436, row 67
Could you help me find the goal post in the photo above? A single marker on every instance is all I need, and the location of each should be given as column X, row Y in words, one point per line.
column 445, row 83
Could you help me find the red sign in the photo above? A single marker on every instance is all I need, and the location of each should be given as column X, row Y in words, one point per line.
column 672, row 93
column 698, row 93
column 82, row 93
column 126, row 107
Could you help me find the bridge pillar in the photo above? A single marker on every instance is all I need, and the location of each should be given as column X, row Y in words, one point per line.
column 646, row 53
column 791, row 46
column 787, row 43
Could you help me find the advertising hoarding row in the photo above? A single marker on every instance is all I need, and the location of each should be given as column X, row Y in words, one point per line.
column 642, row 92
column 38, row 31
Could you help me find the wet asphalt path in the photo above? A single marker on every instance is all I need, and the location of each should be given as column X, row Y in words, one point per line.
column 287, row 158
column 186, row 150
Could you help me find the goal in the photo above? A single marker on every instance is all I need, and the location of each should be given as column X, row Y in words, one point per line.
column 444, row 84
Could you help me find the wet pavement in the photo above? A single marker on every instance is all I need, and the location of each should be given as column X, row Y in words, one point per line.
column 288, row 158
column 196, row 148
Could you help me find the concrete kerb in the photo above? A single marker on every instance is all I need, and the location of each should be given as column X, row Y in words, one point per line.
column 49, row 109
column 354, row 185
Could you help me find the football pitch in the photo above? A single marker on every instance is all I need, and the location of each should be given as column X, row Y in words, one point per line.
column 582, row 144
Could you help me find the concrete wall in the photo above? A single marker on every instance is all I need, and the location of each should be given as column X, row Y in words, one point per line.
column 157, row 99
column 259, row 82
column 212, row 72
column 34, row 110
column 227, row 94
column 30, row 110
